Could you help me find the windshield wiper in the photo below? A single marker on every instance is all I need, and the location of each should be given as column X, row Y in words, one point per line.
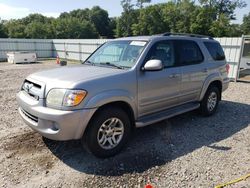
column 113, row 65
column 88, row 62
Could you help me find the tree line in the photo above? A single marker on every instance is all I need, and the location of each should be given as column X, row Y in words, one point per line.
column 207, row 17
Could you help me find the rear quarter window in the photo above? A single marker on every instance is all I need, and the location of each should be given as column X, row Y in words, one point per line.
column 215, row 50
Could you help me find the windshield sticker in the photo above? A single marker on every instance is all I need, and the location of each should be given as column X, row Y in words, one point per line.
column 138, row 43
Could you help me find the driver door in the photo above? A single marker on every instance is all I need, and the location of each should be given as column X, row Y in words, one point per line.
column 159, row 90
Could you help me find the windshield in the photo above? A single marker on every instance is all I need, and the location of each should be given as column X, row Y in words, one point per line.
column 119, row 54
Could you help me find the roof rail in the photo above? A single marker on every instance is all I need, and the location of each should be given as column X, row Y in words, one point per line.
column 187, row 35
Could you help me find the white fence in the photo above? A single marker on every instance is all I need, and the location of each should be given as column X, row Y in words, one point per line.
column 43, row 48
column 80, row 49
column 76, row 49
column 232, row 48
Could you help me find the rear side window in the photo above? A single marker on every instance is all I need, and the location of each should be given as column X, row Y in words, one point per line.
column 188, row 52
column 215, row 50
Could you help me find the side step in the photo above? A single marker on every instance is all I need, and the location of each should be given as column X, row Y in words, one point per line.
column 159, row 116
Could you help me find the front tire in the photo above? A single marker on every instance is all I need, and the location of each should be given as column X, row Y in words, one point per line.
column 107, row 132
column 210, row 101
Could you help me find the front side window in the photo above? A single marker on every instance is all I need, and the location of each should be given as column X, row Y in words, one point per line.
column 188, row 52
column 215, row 50
column 118, row 53
column 163, row 51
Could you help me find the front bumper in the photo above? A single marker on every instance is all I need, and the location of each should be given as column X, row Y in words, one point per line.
column 51, row 123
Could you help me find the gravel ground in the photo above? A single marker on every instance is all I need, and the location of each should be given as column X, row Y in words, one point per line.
column 184, row 151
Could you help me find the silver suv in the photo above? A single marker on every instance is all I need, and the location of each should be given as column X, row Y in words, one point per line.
column 126, row 83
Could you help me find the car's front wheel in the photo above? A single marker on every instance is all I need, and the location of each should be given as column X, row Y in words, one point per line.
column 107, row 132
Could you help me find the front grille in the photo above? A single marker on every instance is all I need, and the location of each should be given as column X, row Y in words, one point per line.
column 32, row 89
column 30, row 116
column 34, row 84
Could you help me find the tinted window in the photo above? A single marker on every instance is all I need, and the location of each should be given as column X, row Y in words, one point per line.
column 246, row 49
column 215, row 50
column 163, row 51
column 188, row 52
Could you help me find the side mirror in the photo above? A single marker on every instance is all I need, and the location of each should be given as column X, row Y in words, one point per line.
column 153, row 65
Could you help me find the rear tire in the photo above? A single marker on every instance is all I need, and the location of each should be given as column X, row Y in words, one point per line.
column 210, row 101
column 107, row 132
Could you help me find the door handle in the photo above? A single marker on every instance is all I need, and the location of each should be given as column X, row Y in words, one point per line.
column 174, row 75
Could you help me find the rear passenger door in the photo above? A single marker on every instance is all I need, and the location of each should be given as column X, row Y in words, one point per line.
column 191, row 62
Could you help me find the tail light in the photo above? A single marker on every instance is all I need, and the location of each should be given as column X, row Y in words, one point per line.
column 227, row 68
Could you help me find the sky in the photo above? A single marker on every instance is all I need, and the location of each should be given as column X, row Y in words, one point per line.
column 13, row 9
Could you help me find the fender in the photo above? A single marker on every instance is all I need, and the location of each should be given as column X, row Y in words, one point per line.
column 110, row 96
column 212, row 77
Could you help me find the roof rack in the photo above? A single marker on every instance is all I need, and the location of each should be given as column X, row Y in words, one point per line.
column 187, row 35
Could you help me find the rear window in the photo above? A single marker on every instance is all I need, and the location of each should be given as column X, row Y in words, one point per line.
column 215, row 50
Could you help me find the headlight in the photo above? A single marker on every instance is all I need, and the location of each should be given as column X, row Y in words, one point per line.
column 65, row 97
column 74, row 97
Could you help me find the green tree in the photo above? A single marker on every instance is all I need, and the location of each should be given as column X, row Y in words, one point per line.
column 179, row 15
column 151, row 21
column 97, row 16
column 112, row 27
column 74, row 28
column 210, row 17
column 203, row 20
column 127, row 5
column 141, row 2
column 246, row 24
column 171, row 16
column 226, row 7
column 3, row 33
column 127, row 19
column 38, row 26
column 220, row 27
column 39, row 30
column 64, row 15
column 235, row 30
column 185, row 10
column 35, row 18
column 81, row 14
column 15, row 29
column 101, row 21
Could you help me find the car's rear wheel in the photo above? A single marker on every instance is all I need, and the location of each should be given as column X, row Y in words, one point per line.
column 210, row 101
column 107, row 132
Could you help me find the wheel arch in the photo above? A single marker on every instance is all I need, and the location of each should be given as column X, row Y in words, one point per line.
column 211, row 81
column 118, row 104
column 218, row 84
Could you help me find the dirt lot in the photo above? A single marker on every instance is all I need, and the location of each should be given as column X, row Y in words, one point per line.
column 184, row 151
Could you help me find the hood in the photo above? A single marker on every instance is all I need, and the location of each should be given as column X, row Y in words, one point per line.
column 70, row 75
